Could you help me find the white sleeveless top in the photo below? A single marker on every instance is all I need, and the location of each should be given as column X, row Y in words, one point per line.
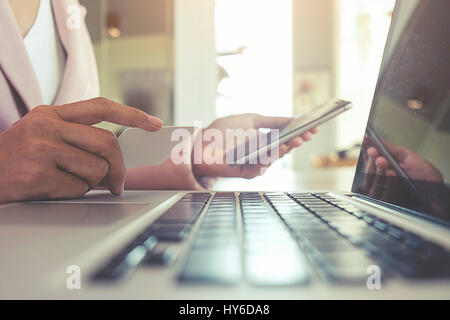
column 46, row 52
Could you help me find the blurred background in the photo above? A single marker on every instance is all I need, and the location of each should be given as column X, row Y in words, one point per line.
column 186, row 61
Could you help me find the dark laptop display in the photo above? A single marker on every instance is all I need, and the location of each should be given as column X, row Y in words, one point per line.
column 405, row 156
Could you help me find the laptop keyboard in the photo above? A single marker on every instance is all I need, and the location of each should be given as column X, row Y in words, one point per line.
column 281, row 239
column 173, row 225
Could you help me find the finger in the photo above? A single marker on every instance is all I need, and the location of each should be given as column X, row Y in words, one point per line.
column 80, row 163
column 65, row 185
column 387, row 194
column 271, row 122
column 314, row 130
column 295, row 143
column 390, row 173
column 283, row 150
column 378, row 184
column 381, row 163
column 398, row 152
column 307, row 136
column 369, row 174
column 100, row 109
column 101, row 143
column 372, row 152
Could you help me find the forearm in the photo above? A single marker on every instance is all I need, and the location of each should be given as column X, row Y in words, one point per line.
column 162, row 177
column 169, row 175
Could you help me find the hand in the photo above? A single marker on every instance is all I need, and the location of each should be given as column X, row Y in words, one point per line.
column 415, row 166
column 54, row 152
column 245, row 122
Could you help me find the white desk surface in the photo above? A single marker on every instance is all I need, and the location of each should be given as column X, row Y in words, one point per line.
column 277, row 179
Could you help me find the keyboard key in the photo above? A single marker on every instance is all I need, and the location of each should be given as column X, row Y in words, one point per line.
column 328, row 236
column 128, row 259
column 412, row 240
column 294, row 212
column 220, row 213
column 160, row 257
column 196, row 196
column 312, row 232
column 332, row 212
column 358, row 213
column 347, row 266
column 122, row 264
column 213, row 266
column 277, row 244
column 372, row 236
column 380, row 225
column 300, row 229
column 411, row 263
column 358, row 233
column 332, row 246
column 218, row 224
column 348, row 207
column 301, row 219
column 342, row 225
column 215, row 242
column 215, row 218
column 216, row 232
column 268, row 219
column 226, row 195
column 264, row 228
column 368, row 219
column 182, row 212
column 395, row 232
column 170, row 232
column 287, row 267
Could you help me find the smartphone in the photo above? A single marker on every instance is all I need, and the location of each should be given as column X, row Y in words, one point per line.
column 297, row 126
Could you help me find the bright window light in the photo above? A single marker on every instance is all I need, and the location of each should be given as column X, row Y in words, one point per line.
column 362, row 31
column 254, row 45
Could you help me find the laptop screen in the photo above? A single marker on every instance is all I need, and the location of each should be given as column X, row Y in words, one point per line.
column 405, row 157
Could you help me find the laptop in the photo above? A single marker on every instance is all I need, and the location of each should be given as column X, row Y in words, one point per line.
column 389, row 237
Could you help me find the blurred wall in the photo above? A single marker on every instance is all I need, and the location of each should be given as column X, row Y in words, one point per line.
column 313, row 38
column 195, row 62
column 313, row 56
column 137, row 67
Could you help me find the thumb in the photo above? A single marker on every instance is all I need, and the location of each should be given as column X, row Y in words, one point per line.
column 398, row 152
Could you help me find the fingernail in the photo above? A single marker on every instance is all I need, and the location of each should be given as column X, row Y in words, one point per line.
column 118, row 191
column 156, row 121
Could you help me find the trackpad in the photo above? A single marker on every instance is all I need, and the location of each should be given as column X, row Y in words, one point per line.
column 65, row 214
column 98, row 208
column 129, row 196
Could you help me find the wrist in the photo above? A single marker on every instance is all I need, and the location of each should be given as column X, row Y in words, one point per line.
column 164, row 176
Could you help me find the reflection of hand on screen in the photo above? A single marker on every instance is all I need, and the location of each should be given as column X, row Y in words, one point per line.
column 379, row 182
column 414, row 165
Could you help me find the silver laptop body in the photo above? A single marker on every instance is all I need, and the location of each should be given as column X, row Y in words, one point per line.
column 389, row 238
